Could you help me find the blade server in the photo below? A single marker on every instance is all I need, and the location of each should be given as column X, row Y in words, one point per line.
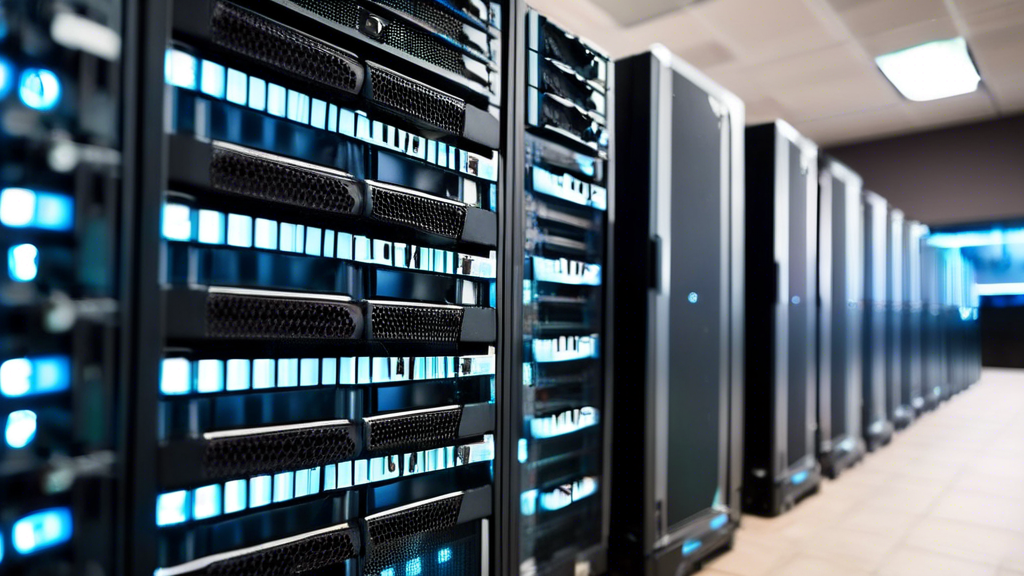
column 679, row 317
column 878, row 427
column 564, row 363
column 780, row 459
column 898, row 405
column 61, row 188
column 325, row 376
column 839, row 338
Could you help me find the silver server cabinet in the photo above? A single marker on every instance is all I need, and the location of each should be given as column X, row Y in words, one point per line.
column 932, row 341
column 878, row 427
column 840, row 442
column 897, row 406
column 912, row 364
column 780, row 459
column 562, row 356
column 678, row 317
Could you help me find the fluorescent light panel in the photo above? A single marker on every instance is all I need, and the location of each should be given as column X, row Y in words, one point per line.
column 1001, row 289
column 931, row 71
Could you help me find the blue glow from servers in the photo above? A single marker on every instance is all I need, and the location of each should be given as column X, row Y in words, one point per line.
column 206, row 502
column 181, row 69
column 6, row 74
column 31, row 376
column 523, row 451
column 39, row 89
column 387, row 572
column 23, row 262
column 41, row 530
column 692, row 297
column 799, row 478
column 172, row 508
column 444, row 555
column 20, row 428
column 718, row 521
column 691, row 546
column 414, row 567
column 24, row 208
column 974, row 238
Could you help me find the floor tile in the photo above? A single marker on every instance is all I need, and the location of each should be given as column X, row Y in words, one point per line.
column 913, row 562
column 963, row 540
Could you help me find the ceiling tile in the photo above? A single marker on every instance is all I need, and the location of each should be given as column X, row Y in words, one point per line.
column 630, row 13
column 855, row 94
column 911, row 35
column 869, row 17
column 764, row 110
column 1008, row 90
column 858, row 126
column 840, row 62
column 955, row 110
column 764, row 31
column 996, row 18
column 967, row 7
column 999, row 52
column 707, row 54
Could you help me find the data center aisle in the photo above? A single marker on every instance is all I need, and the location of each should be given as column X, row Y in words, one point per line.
column 946, row 497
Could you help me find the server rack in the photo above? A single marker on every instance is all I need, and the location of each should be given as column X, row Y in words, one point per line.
column 898, row 406
column 61, row 314
column 679, row 317
column 565, row 204
column 780, row 451
column 932, row 340
column 320, row 251
column 878, row 427
column 912, row 316
column 841, row 444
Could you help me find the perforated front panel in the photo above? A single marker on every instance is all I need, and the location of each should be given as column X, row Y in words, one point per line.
column 396, row 537
column 415, row 323
column 426, row 214
column 418, row 101
column 315, row 553
column 233, row 316
column 413, row 431
column 278, row 451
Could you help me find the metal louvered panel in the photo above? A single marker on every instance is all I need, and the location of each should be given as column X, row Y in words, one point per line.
column 417, row 210
column 263, row 176
column 241, row 314
column 395, row 536
column 412, row 323
column 283, row 48
column 413, row 430
column 415, row 100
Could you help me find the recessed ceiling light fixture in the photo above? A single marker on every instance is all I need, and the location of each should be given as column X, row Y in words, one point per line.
column 931, row 71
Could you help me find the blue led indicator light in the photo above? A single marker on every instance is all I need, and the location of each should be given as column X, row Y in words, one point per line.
column 799, row 478
column 795, row 300
column 235, row 496
column 172, row 508
column 692, row 297
column 24, row 208
column 39, row 89
column 181, row 69
column 444, row 555
column 718, row 521
column 212, row 80
column 20, row 428
column 30, row 376
column 413, row 567
column 23, row 262
column 41, row 530
column 387, row 572
column 206, row 502
column 6, row 75
column 691, row 546
column 175, row 376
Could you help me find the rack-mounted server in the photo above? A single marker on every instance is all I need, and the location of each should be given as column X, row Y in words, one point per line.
column 911, row 346
column 325, row 377
column 898, row 407
column 840, row 443
column 932, row 341
column 679, row 301
column 780, row 459
column 878, row 428
column 61, row 189
column 564, row 362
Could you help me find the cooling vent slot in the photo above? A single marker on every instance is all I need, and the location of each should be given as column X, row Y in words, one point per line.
column 569, row 51
column 393, row 537
column 412, row 431
column 409, row 323
column 243, row 316
column 416, row 210
column 314, row 551
column 263, row 176
column 287, row 50
column 565, row 117
column 566, row 85
column 415, row 100
column 235, row 455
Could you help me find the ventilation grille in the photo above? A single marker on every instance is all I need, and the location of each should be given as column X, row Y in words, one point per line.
column 557, row 115
column 392, row 529
column 564, row 49
column 318, row 552
column 283, row 48
column 425, row 214
column 415, row 100
column 262, row 177
column 415, row 323
column 235, row 316
column 567, row 86
column 413, row 431
column 404, row 550
column 241, row 456
column 432, row 14
column 344, row 12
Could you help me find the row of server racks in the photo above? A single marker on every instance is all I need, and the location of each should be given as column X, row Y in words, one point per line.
column 307, row 287
column 854, row 325
column 345, row 287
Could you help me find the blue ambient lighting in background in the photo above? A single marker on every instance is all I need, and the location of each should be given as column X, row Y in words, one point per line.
column 444, row 555
column 413, row 567
column 23, row 262
column 30, row 376
column 20, row 428
column 172, row 508
column 39, row 89
column 6, row 75
column 24, row 208
column 41, row 530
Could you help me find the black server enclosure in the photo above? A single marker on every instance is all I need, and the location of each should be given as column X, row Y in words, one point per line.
column 64, row 104
column 911, row 345
column 678, row 317
column 562, row 205
column 897, row 405
column 878, row 427
column 780, row 460
column 840, row 442
column 317, row 384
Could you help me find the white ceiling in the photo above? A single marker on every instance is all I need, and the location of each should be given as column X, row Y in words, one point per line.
column 811, row 62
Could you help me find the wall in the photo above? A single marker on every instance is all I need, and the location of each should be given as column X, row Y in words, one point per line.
column 953, row 175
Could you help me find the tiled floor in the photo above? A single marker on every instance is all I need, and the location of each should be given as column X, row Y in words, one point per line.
column 945, row 498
